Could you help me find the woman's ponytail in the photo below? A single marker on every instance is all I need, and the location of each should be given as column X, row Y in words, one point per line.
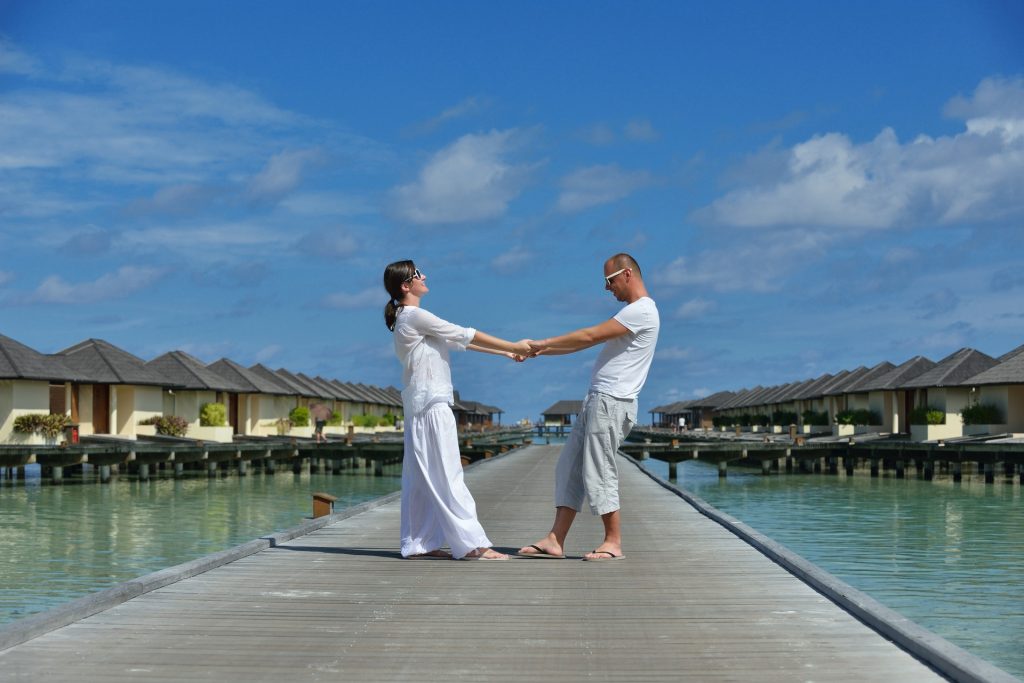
column 395, row 275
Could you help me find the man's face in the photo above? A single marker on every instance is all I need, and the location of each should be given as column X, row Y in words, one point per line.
column 616, row 280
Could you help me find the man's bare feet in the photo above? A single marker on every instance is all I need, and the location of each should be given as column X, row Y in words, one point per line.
column 605, row 551
column 484, row 554
column 546, row 548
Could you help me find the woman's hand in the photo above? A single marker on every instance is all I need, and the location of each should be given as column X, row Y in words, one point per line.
column 522, row 347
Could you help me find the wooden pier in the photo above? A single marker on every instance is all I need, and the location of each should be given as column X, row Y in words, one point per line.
column 777, row 454
column 144, row 457
column 692, row 601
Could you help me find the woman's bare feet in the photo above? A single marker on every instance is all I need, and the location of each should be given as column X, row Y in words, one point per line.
column 433, row 554
column 484, row 554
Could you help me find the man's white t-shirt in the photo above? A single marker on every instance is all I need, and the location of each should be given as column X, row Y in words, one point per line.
column 621, row 368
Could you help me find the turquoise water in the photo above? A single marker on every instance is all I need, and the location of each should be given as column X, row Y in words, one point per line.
column 948, row 556
column 62, row 542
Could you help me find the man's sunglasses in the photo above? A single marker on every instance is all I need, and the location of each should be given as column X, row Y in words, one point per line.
column 608, row 278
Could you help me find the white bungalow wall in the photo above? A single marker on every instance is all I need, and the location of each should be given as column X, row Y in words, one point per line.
column 1010, row 401
column 21, row 397
column 130, row 404
column 883, row 403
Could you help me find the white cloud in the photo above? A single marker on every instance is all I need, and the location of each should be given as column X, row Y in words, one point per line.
column 596, row 185
column 367, row 298
column 512, row 260
column 326, row 244
column 469, row 180
column 5, row 277
column 674, row 353
column 126, row 280
column 830, row 181
column 599, row 135
column 267, row 353
column 701, row 392
column 467, row 107
column 759, row 265
column 282, row 174
column 641, row 130
column 14, row 61
column 695, row 308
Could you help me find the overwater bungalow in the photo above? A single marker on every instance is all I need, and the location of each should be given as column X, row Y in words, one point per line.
column 886, row 399
column 266, row 401
column 284, row 403
column 999, row 390
column 561, row 415
column 848, row 396
column 197, row 387
column 115, row 390
column 31, row 383
column 469, row 414
column 942, row 389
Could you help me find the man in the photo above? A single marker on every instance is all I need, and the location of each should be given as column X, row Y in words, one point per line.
column 587, row 465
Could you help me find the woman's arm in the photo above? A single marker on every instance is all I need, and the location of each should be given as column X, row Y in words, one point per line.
column 484, row 341
column 507, row 354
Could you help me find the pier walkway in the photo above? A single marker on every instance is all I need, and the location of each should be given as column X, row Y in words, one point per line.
column 692, row 601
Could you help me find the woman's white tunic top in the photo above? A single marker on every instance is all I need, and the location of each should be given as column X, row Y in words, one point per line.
column 422, row 343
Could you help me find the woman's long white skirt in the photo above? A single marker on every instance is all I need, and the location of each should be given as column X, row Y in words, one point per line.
column 437, row 508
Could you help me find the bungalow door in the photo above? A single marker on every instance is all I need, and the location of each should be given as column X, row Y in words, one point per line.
column 101, row 408
column 233, row 412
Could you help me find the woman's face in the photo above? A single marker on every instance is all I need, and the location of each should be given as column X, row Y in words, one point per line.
column 417, row 284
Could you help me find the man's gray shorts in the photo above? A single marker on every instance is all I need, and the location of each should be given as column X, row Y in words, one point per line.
column 586, row 467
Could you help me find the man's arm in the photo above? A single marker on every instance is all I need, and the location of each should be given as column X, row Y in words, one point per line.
column 580, row 339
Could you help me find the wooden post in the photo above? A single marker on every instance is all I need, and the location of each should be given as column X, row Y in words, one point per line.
column 179, row 469
column 378, row 467
column 104, row 474
column 766, row 467
column 957, row 472
column 833, row 464
column 874, row 467
column 57, row 474
column 850, row 462
column 672, row 471
column 323, row 503
column 242, row 467
column 723, row 469
column 929, row 469
column 990, row 473
column 143, row 471
column 900, row 466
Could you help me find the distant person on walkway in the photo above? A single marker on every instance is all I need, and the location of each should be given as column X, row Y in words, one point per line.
column 682, row 424
column 437, row 508
column 587, row 465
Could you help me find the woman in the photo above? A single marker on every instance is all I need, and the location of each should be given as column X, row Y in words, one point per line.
column 437, row 508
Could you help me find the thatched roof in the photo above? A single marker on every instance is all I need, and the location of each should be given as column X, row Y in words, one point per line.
column 190, row 373
column 100, row 362
column 18, row 361
column 1010, row 371
column 254, row 383
column 953, row 370
column 563, row 408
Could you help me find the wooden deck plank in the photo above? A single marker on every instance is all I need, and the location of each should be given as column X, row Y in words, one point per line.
column 691, row 601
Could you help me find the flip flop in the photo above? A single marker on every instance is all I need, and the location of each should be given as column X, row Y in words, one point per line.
column 541, row 553
column 610, row 554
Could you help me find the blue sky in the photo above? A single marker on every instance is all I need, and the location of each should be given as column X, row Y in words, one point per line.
column 807, row 186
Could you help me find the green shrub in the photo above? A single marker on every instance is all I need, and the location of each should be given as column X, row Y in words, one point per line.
column 759, row 420
column 927, row 415
column 167, row 426
column 213, row 415
column 365, row 420
column 388, row 420
column 784, row 417
column 719, row 421
column 861, row 416
column 982, row 414
column 742, row 420
column 39, row 423
column 816, row 419
column 335, row 420
column 299, row 416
